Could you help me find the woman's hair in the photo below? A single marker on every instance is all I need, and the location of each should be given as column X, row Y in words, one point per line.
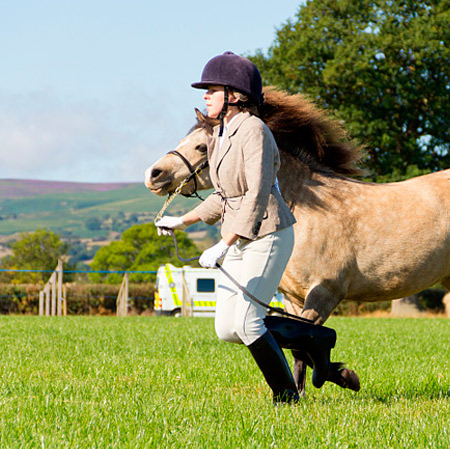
column 245, row 103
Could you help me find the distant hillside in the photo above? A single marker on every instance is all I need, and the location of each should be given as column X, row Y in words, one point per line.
column 19, row 188
column 84, row 210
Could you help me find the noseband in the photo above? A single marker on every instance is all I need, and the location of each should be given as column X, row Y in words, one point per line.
column 193, row 173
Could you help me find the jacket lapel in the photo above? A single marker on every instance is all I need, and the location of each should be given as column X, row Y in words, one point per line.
column 226, row 144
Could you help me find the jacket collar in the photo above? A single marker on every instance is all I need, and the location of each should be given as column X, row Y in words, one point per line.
column 232, row 128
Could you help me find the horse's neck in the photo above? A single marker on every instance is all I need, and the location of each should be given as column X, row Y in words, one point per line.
column 294, row 179
column 302, row 186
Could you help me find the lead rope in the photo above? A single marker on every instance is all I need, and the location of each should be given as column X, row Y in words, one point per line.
column 177, row 191
column 239, row 286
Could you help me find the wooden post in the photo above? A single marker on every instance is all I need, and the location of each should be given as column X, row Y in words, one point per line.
column 53, row 289
column 59, row 273
column 122, row 298
column 187, row 306
column 64, row 298
column 41, row 302
column 125, row 295
column 47, row 299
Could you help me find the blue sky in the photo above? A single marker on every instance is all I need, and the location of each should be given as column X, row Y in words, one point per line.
column 97, row 90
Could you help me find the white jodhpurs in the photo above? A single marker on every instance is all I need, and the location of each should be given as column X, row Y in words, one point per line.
column 258, row 266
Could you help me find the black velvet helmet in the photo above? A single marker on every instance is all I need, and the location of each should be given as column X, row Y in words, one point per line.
column 232, row 71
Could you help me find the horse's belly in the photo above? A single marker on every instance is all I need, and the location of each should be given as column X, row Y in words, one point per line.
column 398, row 275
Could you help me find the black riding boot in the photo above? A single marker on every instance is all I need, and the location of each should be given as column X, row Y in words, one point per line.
column 314, row 340
column 273, row 364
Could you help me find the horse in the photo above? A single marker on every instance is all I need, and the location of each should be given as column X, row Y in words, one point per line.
column 354, row 240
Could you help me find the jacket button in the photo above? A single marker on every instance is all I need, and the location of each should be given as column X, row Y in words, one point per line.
column 256, row 228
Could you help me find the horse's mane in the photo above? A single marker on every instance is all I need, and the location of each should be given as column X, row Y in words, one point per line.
column 304, row 131
column 309, row 134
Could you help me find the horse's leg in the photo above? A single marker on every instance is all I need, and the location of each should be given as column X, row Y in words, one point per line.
column 338, row 374
column 299, row 372
column 319, row 304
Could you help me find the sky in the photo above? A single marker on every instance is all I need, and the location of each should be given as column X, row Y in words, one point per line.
column 98, row 90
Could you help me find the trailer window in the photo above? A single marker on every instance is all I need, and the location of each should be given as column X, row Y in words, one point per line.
column 206, row 285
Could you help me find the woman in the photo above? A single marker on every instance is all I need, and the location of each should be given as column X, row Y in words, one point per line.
column 257, row 233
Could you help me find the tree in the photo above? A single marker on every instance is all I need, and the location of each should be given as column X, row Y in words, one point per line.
column 93, row 224
column 140, row 249
column 39, row 250
column 382, row 66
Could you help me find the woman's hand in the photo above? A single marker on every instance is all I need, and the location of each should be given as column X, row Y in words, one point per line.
column 167, row 224
column 210, row 257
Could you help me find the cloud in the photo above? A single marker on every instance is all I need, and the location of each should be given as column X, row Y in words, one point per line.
column 45, row 137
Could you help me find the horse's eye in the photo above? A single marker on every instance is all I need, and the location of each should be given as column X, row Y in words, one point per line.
column 202, row 147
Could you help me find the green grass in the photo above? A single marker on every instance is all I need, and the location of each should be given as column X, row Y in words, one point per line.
column 97, row 382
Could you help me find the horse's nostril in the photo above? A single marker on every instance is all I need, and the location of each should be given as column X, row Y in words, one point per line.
column 156, row 172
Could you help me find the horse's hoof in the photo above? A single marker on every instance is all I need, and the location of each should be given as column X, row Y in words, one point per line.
column 349, row 379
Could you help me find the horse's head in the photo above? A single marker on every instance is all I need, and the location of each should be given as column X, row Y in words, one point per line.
column 165, row 175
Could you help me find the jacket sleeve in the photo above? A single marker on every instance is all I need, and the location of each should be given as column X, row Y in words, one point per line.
column 259, row 151
column 210, row 210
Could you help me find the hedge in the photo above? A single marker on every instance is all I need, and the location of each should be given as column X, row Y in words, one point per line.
column 100, row 299
column 82, row 299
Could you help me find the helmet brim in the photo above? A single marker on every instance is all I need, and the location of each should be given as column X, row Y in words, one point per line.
column 203, row 84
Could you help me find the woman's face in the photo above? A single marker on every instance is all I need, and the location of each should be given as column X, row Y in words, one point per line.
column 214, row 98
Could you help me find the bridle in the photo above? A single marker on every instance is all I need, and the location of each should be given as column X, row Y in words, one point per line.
column 193, row 173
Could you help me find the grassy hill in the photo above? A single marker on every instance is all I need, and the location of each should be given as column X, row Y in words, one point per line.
column 83, row 210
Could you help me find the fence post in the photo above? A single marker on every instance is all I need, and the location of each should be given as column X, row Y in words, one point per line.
column 41, row 302
column 53, row 288
column 47, row 299
column 64, row 299
column 122, row 298
column 59, row 273
column 51, row 297
column 187, row 306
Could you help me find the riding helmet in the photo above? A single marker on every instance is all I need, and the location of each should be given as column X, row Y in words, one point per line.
column 233, row 71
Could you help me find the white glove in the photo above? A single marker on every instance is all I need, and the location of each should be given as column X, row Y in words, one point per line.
column 167, row 224
column 210, row 257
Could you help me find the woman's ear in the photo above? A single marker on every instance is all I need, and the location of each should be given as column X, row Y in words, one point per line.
column 232, row 100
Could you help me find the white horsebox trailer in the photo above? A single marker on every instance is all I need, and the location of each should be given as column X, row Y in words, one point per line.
column 190, row 291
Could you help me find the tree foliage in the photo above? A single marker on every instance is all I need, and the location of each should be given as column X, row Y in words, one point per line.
column 39, row 250
column 140, row 249
column 382, row 66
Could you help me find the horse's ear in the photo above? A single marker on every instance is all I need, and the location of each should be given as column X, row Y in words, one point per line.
column 205, row 121
column 200, row 116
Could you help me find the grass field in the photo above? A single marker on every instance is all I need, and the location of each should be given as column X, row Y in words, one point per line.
column 98, row 382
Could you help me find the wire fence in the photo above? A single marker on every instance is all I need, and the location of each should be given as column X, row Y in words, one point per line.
column 6, row 270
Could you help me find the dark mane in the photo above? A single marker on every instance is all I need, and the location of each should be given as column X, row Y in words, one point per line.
column 309, row 133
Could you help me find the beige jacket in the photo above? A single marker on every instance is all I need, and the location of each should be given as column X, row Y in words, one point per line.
column 243, row 172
